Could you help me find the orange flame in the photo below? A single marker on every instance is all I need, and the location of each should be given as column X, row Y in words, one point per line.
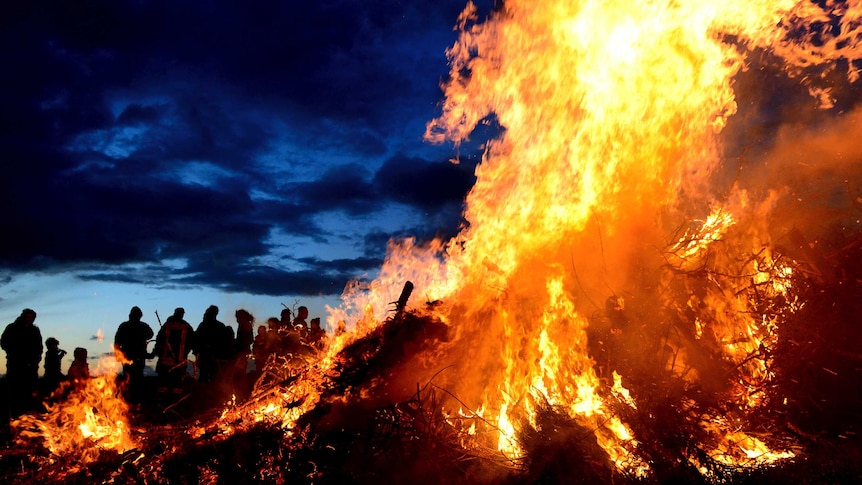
column 90, row 417
column 611, row 112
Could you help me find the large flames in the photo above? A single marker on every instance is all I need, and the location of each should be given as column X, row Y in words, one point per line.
column 602, row 245
column 611, row 114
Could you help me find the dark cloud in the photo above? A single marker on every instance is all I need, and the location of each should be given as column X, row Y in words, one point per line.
column 345, row 266
column 345, row 188
column 92, row 222
column 136, row 114
column 266, row 280
column 135, row 133
column 331, row 58
column 427, row 185
column 375, row 240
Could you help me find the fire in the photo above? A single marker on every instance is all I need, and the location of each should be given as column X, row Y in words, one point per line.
column 611, row 115
column 596, row 253
column 88, row 417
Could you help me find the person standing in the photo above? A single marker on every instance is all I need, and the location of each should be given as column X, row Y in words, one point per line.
column 130, row 348
column 173, row 343
column 300, row 323
column 53, row 357
column 244, row 336
column 213, row 345
column 22, row 342
column 260, row 348
column 286, row 323
column 242, row 351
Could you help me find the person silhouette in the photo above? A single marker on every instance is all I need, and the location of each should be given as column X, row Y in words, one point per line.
column 213, row 345
column 242, row 350
column 300, row 324
column 22, row 342
column 173, row 344
column 53, row 355
column 260, row 347
column 316, row 335
column 285, row 325
column 130, row 348
column 79, row 370
column 245, row 330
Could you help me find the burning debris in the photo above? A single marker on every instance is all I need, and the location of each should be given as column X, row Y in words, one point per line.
column 619, row 306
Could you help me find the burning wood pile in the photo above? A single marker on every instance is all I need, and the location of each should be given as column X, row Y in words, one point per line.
column 623, row 304
column 356, row 417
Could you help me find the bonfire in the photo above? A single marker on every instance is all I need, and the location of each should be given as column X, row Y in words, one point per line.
column 648, row 285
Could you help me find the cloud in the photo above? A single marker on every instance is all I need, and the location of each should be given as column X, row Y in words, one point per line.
column 426, row 185
column 343, row 188
column 266, row 280
column 139, row 133
column 138, row 114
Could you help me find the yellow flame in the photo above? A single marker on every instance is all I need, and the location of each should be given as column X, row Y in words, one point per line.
column 611, row 111
column 621, row 392
column 91, row 418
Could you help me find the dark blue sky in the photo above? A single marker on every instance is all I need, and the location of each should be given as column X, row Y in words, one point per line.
column 265, row 147
column 185, row 153
column 258, row 154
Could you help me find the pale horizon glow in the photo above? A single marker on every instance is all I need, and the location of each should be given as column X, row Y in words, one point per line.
column 74, row 311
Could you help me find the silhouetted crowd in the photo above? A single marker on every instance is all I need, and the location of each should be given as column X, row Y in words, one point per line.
column 221, row 364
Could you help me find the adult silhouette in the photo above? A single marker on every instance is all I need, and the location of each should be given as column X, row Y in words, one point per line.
column 213, row 345
column 130, row 348
column 173, row 344
column 22, row 342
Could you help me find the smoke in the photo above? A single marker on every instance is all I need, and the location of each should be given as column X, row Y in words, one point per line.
column 821, row 167
column 808, row 154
